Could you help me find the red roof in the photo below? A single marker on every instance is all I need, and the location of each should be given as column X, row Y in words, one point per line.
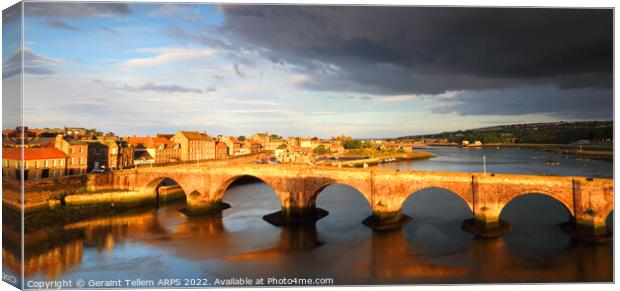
column 221, row 145
column 32, row 153
column 149, row 142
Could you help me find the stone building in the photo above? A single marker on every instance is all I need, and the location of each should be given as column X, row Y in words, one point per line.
column 77, row 154
column 97, row 155
column 221, row 150
column 38, row 163
column 274, row 144
column 294, row 155
column 194, row 145
column 234, row 146
column 108, row 152
column 262, row 138
column 120, row 152
column 305, row 142
column 254, row 146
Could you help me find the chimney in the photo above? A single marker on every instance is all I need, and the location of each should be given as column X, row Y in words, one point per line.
column 58, row 141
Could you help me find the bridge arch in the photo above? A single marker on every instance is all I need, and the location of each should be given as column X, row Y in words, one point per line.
column 567, row 205
column 464, row 199
column 556, row 201
column 316, row 192
column 224, row 186
column 152, row 186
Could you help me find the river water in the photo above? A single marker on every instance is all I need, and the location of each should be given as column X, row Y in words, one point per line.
column 151, row 244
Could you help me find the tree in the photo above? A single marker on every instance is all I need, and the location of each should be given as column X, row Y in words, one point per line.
column 321, row 150
column 241, row 138
column 353, row 144
column 275, row 136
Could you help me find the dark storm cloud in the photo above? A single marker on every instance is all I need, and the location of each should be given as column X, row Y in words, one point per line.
column 431, row 50
column 583, row 103
column 168, row 88
column 54, row 23
column 496, row 47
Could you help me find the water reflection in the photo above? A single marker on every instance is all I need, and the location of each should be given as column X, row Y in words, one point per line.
column 392, row 261
column 291, row 240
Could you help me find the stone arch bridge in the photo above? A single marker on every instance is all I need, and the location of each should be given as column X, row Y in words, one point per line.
column 588, row 201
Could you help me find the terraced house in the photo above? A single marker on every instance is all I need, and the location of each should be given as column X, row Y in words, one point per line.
column 194, row 145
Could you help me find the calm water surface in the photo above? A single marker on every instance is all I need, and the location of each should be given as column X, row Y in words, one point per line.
column 164, row 243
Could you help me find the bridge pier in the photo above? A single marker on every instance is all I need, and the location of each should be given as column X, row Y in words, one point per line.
column 486, row 223
column 384, row 220
column 588, row 227
column 298, row 208
column 197, row 205
column 386, row 210
column 591, row 209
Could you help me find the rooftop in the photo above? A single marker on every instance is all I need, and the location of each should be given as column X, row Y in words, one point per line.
column 32, row 153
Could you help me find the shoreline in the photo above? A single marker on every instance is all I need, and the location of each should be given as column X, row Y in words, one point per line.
column 590, row 151
column 77, row 207
column 364, row 160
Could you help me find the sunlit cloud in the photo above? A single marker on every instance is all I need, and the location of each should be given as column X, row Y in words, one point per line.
column 164, row 56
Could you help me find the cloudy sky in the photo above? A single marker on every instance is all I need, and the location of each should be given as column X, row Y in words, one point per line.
column 307, row 70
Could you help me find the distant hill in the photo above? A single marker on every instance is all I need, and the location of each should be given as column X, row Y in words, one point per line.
column 593, row 132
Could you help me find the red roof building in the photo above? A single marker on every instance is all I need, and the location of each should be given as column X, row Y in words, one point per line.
column 37, row 163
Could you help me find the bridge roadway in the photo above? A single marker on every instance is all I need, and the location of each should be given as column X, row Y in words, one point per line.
column 588, row 201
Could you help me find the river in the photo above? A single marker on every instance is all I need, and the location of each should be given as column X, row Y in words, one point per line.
column 159, row 243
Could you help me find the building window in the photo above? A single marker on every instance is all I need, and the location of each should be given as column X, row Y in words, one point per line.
column 6, row 163
column 81, row 161
column 62, row 163
column 81, row 150
column 53, row 163
column 36, row 164
column 45, row 164
column 26, row 165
